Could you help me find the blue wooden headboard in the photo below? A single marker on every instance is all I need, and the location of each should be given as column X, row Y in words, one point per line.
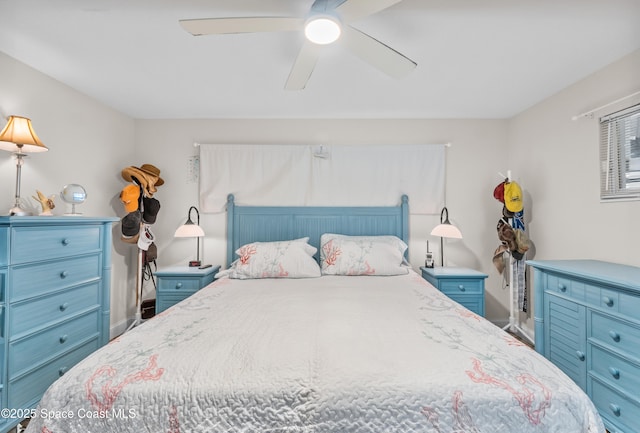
column 246, row 224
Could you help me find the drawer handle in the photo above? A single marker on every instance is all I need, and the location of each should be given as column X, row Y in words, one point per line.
column 64, row 274
column 607, row 301
column 178, row 285
column 461, row 287
column 64, row 306
column 614, row 336
column 615, row 409
column 65, row 242
column 62, row 371
column 614, row 372
column 580, row 355
column 63, row 338
column 562, row 287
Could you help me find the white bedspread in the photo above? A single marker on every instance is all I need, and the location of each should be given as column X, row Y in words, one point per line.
column 321, row 355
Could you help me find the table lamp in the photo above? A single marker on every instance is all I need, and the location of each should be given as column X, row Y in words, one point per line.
column 445, row 230
column 191, row 230
column 19, row 138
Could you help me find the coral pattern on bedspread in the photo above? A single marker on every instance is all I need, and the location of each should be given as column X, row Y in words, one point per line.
column 100, row 382
column 334, row 354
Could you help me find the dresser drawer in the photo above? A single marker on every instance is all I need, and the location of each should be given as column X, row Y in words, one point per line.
column 590, row 294
column 169, row 301
column 616, row 371
column 26, row 316
column 31, row 244
column 30, row 281
column 629, row 304
column 32, row 350
column 173, row 285
column 565, row 286
column 26, row 390
column 614, row 407
column 623, row 336
column 469, row 302
column 462, row 286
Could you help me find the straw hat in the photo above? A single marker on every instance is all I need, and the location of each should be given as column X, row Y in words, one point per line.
column 147, row 175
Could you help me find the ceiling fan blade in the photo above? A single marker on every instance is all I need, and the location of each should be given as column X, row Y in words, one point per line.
column 303, row 66
column 212, row 26
column 352, row 10
column 376, row 53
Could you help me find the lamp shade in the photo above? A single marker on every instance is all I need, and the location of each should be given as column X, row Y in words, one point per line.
column 446, row 230
column 18, row 136
column 189, row 230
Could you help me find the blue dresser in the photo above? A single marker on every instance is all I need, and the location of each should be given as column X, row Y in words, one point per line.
column 55, row 275
column 587, row 322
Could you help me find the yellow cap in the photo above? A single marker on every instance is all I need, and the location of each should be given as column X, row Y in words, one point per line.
column 513, row 196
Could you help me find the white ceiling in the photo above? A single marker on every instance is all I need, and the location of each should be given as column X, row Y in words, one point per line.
column 476, row 58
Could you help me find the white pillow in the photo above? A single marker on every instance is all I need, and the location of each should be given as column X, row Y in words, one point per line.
column 282, row 259
column 362, row 255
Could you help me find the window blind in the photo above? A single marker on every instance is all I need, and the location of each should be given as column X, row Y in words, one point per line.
column 620, row 155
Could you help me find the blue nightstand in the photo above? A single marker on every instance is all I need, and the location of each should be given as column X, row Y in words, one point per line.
column 179, row 282
column 463, row 285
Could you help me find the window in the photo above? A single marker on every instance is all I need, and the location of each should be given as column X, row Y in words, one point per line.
column 620, row 155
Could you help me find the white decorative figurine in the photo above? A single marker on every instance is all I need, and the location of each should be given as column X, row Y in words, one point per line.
column 46, row 203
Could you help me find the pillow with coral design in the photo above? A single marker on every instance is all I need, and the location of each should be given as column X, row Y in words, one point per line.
column 362, row 255
column 281, row 259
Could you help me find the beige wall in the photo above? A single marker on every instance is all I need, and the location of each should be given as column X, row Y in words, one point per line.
column 477, row 154
column 88, row 144
column 556, row 160
column 553, row 158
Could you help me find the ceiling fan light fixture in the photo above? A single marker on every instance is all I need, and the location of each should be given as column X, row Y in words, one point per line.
column 322, row 29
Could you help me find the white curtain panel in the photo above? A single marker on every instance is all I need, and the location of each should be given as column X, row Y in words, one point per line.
column 337, row 175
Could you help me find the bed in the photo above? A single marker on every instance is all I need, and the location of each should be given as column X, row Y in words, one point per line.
column 370, row 348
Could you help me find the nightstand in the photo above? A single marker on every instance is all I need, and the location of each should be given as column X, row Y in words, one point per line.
column 463, row 285
column 179, row 282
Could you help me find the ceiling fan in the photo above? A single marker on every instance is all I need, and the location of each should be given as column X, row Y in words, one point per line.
column 327, row 21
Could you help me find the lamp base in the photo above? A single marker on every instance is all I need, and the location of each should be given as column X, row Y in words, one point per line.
column 18, row 211
column 194, row 263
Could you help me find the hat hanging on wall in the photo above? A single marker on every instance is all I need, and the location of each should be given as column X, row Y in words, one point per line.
column 150, row 209
column 513, row 196
column 130, row 225
column 146, row 237
column 129, row 196
column 147, row 176
column 498, row 192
